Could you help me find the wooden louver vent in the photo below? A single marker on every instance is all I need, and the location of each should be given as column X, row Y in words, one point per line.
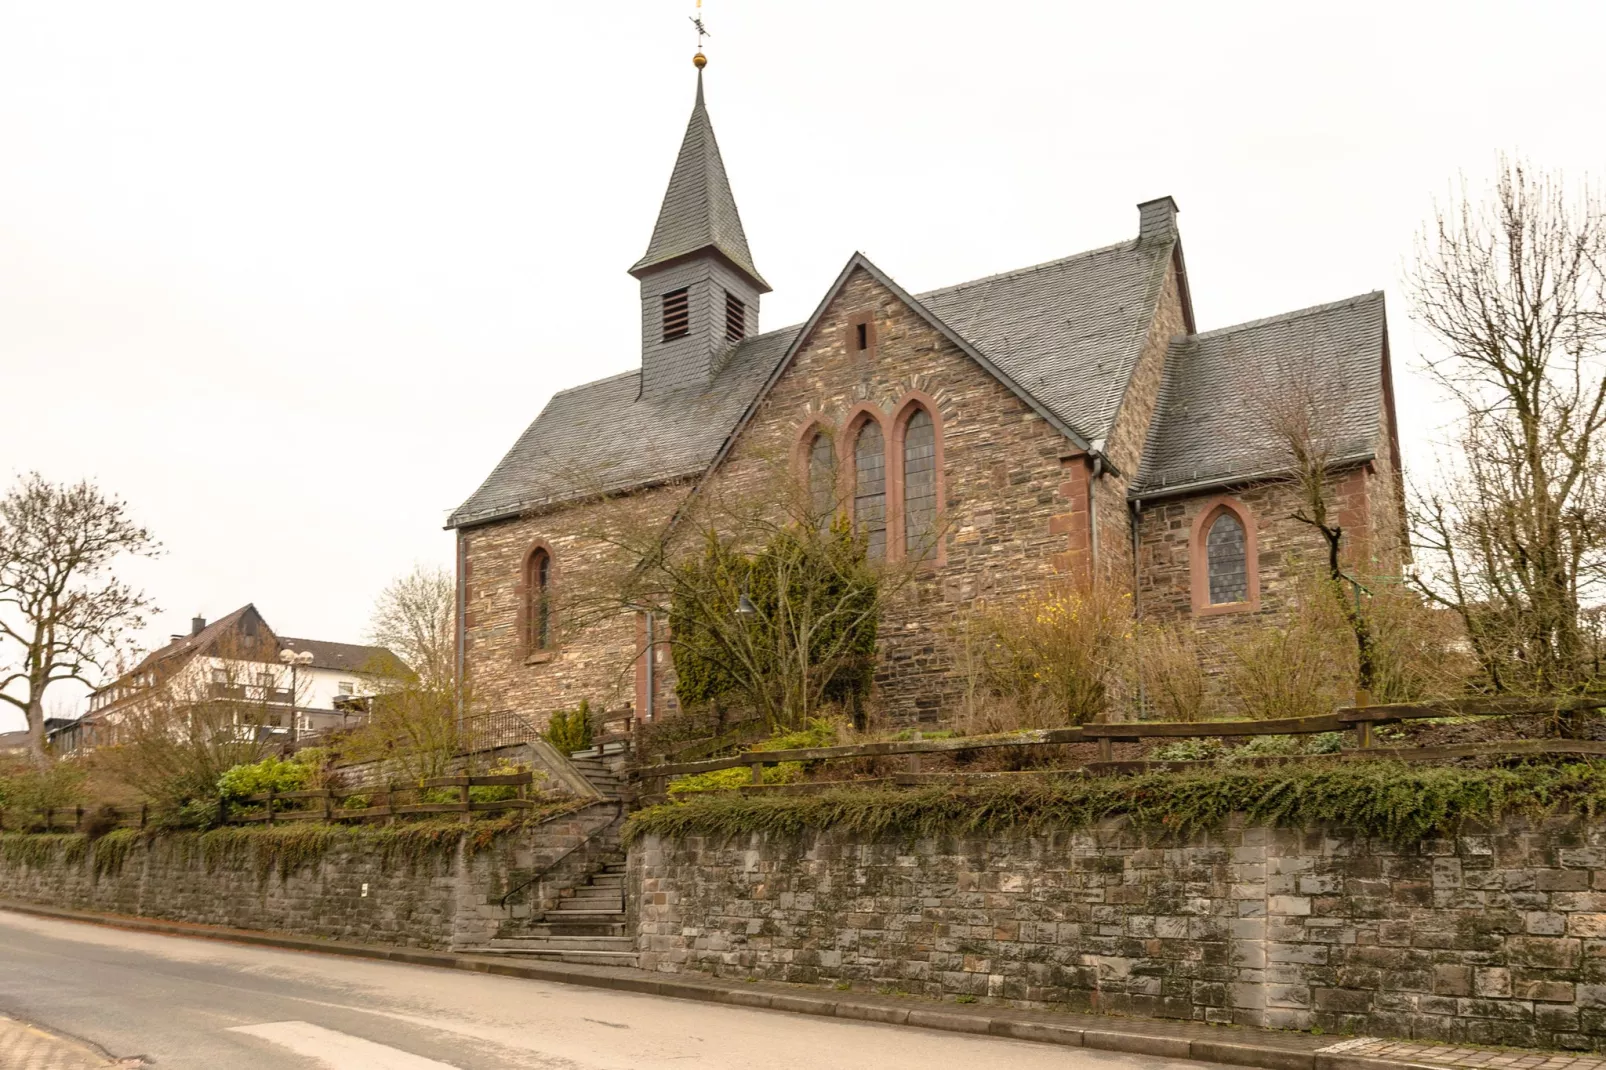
column 735, row 317
column 677, row 314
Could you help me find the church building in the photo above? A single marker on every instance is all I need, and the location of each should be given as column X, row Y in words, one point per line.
column 1064, row 419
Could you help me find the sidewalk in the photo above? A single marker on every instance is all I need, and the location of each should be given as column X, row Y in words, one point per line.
column 27, row 1047
column 1238, row 1046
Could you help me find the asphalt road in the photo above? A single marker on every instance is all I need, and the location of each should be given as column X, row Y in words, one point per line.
column 187, row 1003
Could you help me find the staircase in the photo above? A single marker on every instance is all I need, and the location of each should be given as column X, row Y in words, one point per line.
column 602, row 778
column 588, row 927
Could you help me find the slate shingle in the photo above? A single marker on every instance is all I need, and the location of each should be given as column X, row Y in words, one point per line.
column 1210, row 425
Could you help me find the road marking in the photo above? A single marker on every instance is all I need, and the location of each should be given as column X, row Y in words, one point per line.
column 338, row 1051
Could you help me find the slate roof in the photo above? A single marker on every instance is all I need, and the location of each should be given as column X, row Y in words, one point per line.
column 1210, row 424
column 346, row 657
column 1068, row 332
column 699, row 210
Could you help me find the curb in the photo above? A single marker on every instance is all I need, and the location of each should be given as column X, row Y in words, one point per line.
column 1295, row 1052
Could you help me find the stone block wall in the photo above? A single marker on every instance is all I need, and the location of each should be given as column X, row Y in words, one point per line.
column 1495, row 937
column 447, row 900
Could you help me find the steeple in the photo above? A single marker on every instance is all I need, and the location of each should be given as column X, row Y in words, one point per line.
column 699, row 212
column 699, row 289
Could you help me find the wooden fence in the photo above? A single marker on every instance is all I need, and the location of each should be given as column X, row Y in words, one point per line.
column 322, row 804
column 652, row 780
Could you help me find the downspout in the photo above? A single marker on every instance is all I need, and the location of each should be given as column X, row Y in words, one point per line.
column 462, row 634
column 1093, row 516
column 650, row 701
column 1137, row 592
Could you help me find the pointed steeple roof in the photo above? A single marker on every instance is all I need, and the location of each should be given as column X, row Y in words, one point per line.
column 699, row 211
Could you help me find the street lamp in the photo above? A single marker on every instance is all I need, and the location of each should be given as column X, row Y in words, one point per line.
column 295, row 661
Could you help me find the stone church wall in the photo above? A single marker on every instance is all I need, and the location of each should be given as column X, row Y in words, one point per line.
column 1010, row 508
column 596, row 653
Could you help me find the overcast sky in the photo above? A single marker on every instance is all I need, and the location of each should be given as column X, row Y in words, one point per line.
column 291, row 277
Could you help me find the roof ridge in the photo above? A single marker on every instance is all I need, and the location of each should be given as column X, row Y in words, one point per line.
column 1285, row 317
column 1013, row 272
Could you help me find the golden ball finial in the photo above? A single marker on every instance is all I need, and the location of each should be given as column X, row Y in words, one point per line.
column 699, row 61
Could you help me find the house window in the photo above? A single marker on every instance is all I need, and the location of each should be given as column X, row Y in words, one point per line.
column 677, row 314
column 220, row 676
column 735, row 317
column 822, row 475
column 538, row 584
column 347, row 687
column 870, row 488
column 919, row 484
column 1227, row 560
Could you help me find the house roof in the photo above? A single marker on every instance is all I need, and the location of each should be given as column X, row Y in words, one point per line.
column 1211, row 423
column 1065, row 335
column 346, row 657
column 11, row 742
column 699, row 210
column 188, row 645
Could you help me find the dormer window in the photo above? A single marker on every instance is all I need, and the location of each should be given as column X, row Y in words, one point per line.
column 677, row 314
column 735, row 317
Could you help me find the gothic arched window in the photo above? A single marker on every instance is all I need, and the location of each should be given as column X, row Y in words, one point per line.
column 870, row 487
column 919, row 484
column 1227, row 559
column 822, row 476
column 538, row 601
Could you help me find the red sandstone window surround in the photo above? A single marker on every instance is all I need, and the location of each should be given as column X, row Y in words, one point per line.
column 864, row 453
column 916, row 464
column 538, row 620
column 861, row 336
column 1223, row 558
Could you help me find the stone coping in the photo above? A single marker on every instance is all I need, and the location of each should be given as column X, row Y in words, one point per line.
column 1234, row 1045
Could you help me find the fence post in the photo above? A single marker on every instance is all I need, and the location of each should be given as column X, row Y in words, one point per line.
column 390, row 804
column 222, row 809
column 1363, row 729
column 50, row 819
column 142, row 809
column 758, row 772
column 329, row 805
column 1106, row 749
column 463, row 790
column 77, row 817
column 270, row 807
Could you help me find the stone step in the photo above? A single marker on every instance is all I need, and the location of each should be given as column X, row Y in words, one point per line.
column 564, row 911
column 596, row 891
column 576, row 958
column 553, row 926
column 563, row 943
column 608, row 880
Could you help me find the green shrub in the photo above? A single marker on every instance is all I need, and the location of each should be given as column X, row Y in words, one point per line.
column 1187, row 750
column 820, row 732
column 1389, row 800
column 270, row 774
column 571, row 730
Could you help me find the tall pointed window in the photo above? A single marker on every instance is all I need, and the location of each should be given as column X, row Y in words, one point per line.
column 1228, row 561
column 538, row 595
column 870, row 487
column 919, row 485
column 822, row 476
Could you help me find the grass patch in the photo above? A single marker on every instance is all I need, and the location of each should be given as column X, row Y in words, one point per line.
column 1391, row 801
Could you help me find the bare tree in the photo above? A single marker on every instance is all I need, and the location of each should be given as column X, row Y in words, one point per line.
column 1301, row 409
column 414, row 617
column 1513, row 535
column 63, row 614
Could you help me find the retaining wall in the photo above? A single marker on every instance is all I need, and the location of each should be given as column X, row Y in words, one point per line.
column 443, row 899
column 1496, row 936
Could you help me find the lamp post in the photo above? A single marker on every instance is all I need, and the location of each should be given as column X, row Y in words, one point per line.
column 295, row 661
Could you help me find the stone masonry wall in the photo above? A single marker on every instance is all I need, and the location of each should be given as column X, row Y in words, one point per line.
column 441, row 902
column 596, row 650
column 1494, row 937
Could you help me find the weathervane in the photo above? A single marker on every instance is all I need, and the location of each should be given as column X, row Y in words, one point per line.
column 700, row 60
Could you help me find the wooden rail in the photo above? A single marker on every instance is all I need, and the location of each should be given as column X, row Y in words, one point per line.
column 1360, row 718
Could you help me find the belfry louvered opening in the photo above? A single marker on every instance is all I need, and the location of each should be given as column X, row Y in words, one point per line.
column 677, row 314
column 735, row 317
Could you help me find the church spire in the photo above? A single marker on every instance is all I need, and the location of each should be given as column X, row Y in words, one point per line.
column 699, row 211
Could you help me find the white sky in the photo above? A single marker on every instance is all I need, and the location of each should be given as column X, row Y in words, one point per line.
column 292, row 277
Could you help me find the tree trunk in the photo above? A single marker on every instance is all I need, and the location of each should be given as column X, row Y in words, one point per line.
column 36, row 730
